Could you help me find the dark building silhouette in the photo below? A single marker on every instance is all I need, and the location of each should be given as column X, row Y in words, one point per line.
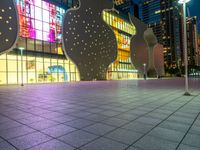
column 136, row 11
column 192, row 40
column 127, row 6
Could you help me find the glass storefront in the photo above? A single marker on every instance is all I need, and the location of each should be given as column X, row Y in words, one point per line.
column 122, row 68
column 40, row 38
column 42, row 60
column 36, row 69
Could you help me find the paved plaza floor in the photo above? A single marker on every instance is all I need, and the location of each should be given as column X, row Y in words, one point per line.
column 104, row 115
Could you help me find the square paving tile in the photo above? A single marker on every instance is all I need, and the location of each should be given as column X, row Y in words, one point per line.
column 197, row 123
column 148, row 120
column 181, row 114
column 120, row 109
column 53, row 145
column 195, row 130
column 137, row 112
column 97, row 117
column 192, row 140
column 78, row 138
column 64, row 118
column 9, row 124
column 156, row 115
column 175, row 126
column 31, row 120
column 3, row 119
column 104, row 144
column 109, row 113
column 124, row 136
column 30, row 140
column 20, row 115
column 138, row 127
column 81, row 114
column 43, row 124
column 153, row 143
column 161, row 111
column 115, row 122
column 58, row 130
column 94, row 110
column 15, row 132
column 171, row 135
column 51, row 115
column 184, row 120
column 127, row 116
column 6, row 146
column 187, row 147
column 79, row 123
column 99, row 128
column 133, row 148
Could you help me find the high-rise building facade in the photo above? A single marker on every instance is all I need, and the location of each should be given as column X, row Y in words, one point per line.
column 198, row 53
column 151, row 12
column 127, row 6
column 165, row 18
column 192, row 40
column 40, row 41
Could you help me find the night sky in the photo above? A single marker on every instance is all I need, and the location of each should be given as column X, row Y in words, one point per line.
column 194, row 8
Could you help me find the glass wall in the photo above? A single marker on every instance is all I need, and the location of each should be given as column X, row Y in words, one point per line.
column 42, row 60
column 118, row 23
column 40, row 69
column 40, row 20
column 122, row 68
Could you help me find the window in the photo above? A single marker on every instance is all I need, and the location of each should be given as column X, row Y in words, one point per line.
column 40, row 20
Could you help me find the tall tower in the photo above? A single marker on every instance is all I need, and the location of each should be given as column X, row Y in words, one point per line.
column 192, row 40
column 164, row 16
column 171, row 23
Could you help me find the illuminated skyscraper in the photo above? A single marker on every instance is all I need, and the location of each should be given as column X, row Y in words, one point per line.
column 164, row 16
column 151, row 12
column 192, row 41
column 127, row 6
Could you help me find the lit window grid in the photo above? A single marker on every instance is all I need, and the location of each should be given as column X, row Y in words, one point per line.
column 123, row 61
column 118, row 23
column 40, row 20
column 35, row 69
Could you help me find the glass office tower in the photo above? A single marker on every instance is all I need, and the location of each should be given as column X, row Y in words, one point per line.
column 164, row 16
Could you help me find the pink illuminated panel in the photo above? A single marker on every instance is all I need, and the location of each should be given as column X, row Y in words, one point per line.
column 40, row 20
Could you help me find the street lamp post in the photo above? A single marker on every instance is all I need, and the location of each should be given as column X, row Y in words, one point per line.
column 198, row 54
column 145, row 74
column 21, row 50
column 185, row 46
